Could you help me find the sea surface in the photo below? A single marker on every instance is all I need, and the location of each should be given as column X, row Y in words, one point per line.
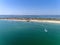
column 29, row 33
column 30, row 16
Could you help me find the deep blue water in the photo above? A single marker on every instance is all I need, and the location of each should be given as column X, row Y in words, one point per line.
column 30, row 16
column 29, row 33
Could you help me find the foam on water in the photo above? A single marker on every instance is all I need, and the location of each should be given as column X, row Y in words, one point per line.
column 45, row 30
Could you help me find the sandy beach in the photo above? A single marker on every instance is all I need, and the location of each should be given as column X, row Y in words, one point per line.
column 47, row 21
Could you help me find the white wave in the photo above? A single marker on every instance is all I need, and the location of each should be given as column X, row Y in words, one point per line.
column 45, row 30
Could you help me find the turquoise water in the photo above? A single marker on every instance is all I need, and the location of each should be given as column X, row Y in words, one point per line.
column 29, row 33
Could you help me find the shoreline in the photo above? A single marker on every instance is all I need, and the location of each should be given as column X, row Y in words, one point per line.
column 32, row 20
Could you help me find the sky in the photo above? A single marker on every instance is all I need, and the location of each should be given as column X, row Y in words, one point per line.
column 29, row 7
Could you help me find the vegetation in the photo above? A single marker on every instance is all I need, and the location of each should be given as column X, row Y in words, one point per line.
column 32, row 19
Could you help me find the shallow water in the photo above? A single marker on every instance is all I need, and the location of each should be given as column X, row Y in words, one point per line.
column 29, row 33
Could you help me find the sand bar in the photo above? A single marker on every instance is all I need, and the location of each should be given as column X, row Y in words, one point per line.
column 48, row 21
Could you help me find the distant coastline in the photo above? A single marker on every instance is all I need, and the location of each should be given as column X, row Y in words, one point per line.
column 48, row 20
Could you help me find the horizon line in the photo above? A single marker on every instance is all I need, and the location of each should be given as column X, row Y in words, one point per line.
column 12, row 14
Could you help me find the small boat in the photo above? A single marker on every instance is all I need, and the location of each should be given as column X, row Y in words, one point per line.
column 46, row 30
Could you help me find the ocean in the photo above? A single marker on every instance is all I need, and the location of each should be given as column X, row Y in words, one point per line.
column 29, row 33
column 30, row 16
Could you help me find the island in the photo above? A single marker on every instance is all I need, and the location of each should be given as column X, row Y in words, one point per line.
column 48, row 20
